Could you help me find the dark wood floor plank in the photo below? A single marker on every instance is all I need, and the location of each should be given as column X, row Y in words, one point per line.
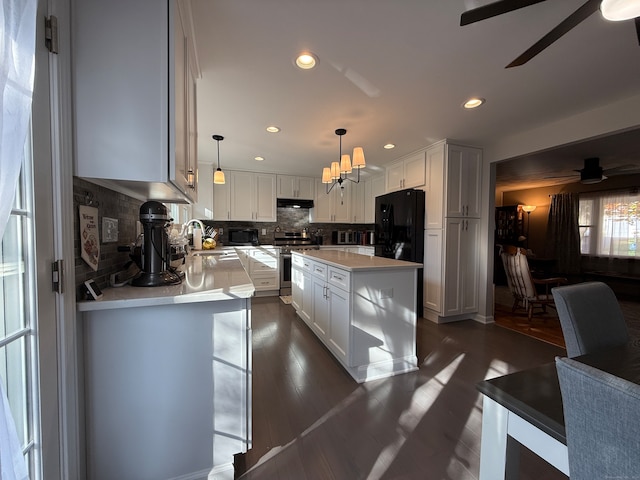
column 312, row 421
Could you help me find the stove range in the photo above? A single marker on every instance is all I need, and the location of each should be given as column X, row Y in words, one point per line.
column 288, row 242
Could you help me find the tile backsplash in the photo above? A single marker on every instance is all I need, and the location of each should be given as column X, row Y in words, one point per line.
column 288, row 219
column 126, row 210
column 112, row 205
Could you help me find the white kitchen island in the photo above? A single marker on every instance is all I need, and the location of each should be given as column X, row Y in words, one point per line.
column 168, row 375
column 362, row 308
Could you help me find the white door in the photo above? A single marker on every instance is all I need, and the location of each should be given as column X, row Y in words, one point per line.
column 37, row 336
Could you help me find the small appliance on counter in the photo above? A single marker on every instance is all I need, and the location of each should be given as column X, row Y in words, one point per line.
column 155, row 255
column 242, row 236
column 343, row 237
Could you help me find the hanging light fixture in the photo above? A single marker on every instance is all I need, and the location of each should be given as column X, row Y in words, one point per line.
column 218, row 176
column 338, row 172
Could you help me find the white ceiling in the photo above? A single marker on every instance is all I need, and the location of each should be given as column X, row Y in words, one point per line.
column 398, row 71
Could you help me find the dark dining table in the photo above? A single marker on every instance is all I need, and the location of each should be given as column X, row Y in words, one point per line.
column 526, row 406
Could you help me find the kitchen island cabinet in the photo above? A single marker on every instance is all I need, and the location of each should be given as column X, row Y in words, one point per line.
column 361, row 307
column 168, row 375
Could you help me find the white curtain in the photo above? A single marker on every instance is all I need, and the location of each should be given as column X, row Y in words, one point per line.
column 17, row 49
column 17, row 52
column 619, row 224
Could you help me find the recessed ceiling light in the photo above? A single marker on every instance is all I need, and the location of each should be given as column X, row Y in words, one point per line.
column 473, row 103
column 273, row 129
column 259, row 159
column 306, row 60
column 389, row 146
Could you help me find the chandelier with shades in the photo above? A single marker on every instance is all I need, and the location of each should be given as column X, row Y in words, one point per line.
column 338, row 172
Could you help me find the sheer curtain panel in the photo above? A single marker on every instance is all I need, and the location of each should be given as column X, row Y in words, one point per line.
column 17, row 49
column 17, row 53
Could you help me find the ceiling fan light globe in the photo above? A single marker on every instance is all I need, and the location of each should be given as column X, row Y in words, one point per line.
column 619, row 10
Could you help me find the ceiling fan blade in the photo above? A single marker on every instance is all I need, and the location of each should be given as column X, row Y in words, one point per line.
column 629, row 169
column 563, row 176
column 493, row 10
column 581, row 14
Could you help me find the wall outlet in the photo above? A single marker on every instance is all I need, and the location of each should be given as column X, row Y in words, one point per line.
column 109, row 229
column 264, row 231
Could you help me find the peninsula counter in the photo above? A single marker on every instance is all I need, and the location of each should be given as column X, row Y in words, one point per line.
column 167, row 374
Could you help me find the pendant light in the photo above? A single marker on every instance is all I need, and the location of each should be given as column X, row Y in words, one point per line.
column 338, row 172
column 218, row 176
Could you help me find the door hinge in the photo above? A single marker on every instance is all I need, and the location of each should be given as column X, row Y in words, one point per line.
column 57, row 276
column 51, row 33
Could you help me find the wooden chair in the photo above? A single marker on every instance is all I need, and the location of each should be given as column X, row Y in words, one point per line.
column 522, row 284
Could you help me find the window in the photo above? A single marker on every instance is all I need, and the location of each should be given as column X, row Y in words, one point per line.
column 18, row 352
column 610, row 224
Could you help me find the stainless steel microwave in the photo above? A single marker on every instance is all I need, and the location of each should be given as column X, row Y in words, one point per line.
column 242, row 236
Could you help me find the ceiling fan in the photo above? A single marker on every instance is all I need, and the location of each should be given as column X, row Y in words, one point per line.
column 587, row 9
column 592, row 172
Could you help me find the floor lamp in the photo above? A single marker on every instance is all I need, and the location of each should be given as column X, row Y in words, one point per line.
column 528, row 209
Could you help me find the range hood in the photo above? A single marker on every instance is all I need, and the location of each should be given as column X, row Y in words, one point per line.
column 294, row 203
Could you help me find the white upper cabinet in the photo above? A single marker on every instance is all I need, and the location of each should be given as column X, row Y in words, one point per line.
column 358, row 201
column 463, row 174
column 453, row 183
column 134, row 97
column 290, row 186
column 221, row 200
column 253, row 196
column 408, row 172
column 333, row 207
column 373, row 188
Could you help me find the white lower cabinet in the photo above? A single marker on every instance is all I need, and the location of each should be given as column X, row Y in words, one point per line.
column 331, row 309
column 451, row 270
column 261, row 264
column 366, row 318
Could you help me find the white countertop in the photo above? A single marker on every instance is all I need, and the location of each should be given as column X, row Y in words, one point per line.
column 210, row 275
column 355, row 262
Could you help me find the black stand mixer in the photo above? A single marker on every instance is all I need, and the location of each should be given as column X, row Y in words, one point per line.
column 155, row 255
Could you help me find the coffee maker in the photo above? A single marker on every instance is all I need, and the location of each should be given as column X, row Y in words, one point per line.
column 155, row 255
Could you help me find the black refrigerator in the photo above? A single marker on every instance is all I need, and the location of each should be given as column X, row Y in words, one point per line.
column 400, row 229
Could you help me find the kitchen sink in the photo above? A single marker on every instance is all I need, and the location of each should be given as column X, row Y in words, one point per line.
column 205, row 253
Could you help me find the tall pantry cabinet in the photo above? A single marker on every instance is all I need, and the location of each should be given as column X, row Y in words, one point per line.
column 453, row 202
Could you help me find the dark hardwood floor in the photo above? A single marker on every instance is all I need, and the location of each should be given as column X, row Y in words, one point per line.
column 312, row 421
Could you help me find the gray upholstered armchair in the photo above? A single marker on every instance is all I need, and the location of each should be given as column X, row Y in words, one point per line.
column 601, row 416
column 590, row 317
